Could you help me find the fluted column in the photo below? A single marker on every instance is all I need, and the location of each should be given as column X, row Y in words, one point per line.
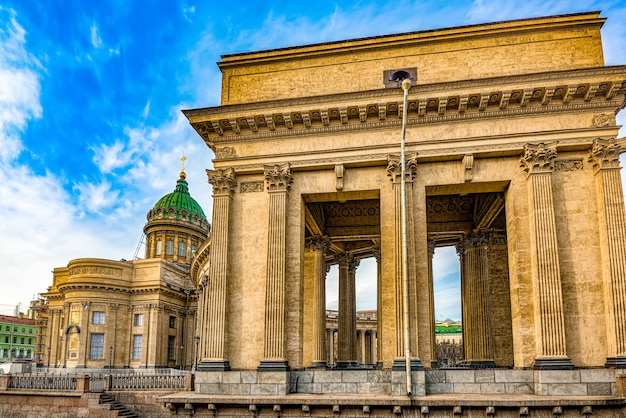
column 394, row 171
column 551, row 352
column 379, row 305
column 278, row 179
column 319, row 247
column 213, row 353
column 477, row 341
column 346, row 345
column 612, row 219
column 431, row 298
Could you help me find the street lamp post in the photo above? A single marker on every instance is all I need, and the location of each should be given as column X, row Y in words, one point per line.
column 111, row 357
column 406, row 85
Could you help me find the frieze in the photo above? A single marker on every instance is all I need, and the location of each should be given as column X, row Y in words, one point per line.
column 603, row 120
column 250, row 186
column 99, row 270
column 225, row 152
column 568, row 165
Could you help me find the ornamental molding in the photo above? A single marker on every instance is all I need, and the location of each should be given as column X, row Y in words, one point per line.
column 278, row 177
column 250, row 186
column 538, row 158
column 222, row 180
column 605, row 152
column 95, row 270
column 568, row 165
column 613, row 88
column 327, row 116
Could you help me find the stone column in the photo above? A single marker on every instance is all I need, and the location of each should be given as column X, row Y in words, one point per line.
column 431, row 317
column 395, row 172
column 612, row 219
column 278, row 178
column 319, row 246
column 213, row 353
column 379, row 305
column 477, row 340
column 346, row 345
column 551, row 352
column 110, row 336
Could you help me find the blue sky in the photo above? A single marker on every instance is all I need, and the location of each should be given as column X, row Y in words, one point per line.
column 90, row 95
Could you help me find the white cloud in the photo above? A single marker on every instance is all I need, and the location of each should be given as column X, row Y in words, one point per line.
column 96, row 40
column 96, row 197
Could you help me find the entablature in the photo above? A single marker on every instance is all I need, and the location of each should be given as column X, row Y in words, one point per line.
column 564, row 91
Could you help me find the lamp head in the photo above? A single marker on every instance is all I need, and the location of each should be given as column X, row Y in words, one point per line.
column 406, row 84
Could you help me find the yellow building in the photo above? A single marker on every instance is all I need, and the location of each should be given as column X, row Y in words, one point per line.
column 131, row 314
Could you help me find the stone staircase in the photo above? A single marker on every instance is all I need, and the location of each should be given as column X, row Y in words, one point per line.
column 110, row 403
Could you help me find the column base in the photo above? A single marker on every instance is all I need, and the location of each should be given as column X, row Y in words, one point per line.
column 347, row 365
column 319, row 365
column 562, row 363
column 478, row 364
column 400, row 365
column 617, row 362
column 273, row 366
column 214, row 366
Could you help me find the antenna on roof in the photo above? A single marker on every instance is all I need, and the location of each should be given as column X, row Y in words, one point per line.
column 139, row 245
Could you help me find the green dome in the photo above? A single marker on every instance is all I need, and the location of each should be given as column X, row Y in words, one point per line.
column 178, row 205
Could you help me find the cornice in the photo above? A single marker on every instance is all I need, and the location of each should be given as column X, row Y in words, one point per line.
column 538, row 100
column 200, row 114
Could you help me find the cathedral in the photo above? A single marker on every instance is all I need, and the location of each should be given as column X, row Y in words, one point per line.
column 131, row 314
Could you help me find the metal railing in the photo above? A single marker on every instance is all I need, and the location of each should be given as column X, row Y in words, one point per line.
column 28, row 381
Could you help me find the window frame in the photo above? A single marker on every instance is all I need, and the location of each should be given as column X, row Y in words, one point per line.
column 96, row 346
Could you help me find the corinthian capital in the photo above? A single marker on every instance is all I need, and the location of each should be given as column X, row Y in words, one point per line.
column 394, row 168
column 605, row 153
column 474, row 240
column 538, row 158
column 222, row 180
column 278, row 177
column 318, row 244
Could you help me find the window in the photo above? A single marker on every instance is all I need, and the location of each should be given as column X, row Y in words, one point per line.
column 14, row 329
column 193, row 250
column 159, row 245
column 30, row 330
column 30, row 341
column 97, row 318
column 138, row 321
column 171, row 348
column 96, row 349
column 23, row 330
column 182, row 247
column 22, row 341
column 28, row 354
column 169, row 247
column 8, row 328
column 136, row 347
column 6, row 339
column 14, row 340
column 172, row 322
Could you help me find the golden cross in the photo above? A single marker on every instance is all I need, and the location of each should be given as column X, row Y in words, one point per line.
column 183, row 159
